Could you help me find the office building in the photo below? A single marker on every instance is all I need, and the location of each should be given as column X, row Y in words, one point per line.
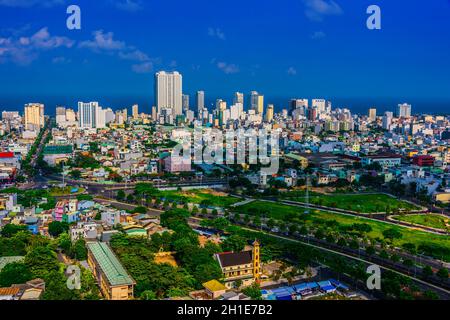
column 168, row 92
column 91, row 115
column 387, row 120
column 404, row 110
column 269, row 113
column 200, row 101
column 372, row 114
column 34, row 116
column 238, row 98
column 185, row 103
column 135, row 111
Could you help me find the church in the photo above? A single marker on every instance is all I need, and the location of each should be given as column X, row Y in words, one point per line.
column 240, row 268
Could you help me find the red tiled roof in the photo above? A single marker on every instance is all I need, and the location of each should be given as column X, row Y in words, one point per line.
column 6, row 154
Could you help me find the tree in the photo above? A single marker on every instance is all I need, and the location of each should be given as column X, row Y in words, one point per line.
column 130, row 198
column 234, row 243
column 79, row 250
column 15, row 273
column 120, row 195
column 11, row 229
column 139, row 210
column 75, row 174
column 427, row 271
column 148, row 295
column 253, row 291
column 55, row 228
column 408, row 263
column 442, row 273
column 392, row 234
column 41, row 261
column 370, row 250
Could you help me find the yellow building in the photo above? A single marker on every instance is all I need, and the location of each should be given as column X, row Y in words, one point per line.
column 114, row 281
column 214, row 289
column 443, row 197
column 269, row 113
column 244, row 267
column 291, row 157
column 34, row 116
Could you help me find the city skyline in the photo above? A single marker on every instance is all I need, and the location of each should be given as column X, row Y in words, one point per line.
column 107, row 61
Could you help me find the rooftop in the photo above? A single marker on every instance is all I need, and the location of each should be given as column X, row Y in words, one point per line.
column 110, row 265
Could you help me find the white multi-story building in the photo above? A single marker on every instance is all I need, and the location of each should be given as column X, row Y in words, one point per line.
column 200, row 101
column 320, row 104
column 168, row 92
column 404, row 110
column 91, row 115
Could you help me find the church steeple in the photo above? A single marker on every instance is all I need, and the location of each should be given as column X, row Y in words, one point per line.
column 256, row 261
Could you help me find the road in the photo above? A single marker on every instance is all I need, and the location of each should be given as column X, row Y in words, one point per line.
column 126, row 206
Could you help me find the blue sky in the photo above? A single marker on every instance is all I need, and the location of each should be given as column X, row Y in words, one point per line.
column 283, row 48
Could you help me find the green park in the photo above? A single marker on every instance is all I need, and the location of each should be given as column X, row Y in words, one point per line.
column 361, row 203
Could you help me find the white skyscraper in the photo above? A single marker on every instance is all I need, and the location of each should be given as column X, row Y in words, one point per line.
column 200, row 101
column 404, row 110
column 168, row 92
column 238, row 98
column 185, row 103
column 387, row 120
column 320, row 104
column 91, row 115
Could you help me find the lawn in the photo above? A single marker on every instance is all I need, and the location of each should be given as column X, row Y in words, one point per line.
column 205, row 197
column 318, row 218
column 429, row 220
column 362, row 203
column 55, row 192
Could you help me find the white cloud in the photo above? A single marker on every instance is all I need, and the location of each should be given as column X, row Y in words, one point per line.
column 145, row 67
column 228, row 68
column 129, row 5
column 316, row 9
column 61, row 60
column 30, row 3
column 318, row 35
column 104, row 43
column 24, row 50
column 216, row 33
column 292, row 71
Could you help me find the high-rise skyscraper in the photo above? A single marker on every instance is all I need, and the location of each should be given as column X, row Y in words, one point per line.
column 91, row 115
column 135, row 111
column 269, row 113
column 320, row 104
column 301, row 105
column 372, row 114
column 185, row 103
column 238, row 98
column 60, row 115
column 257, row 102
column 404, row 110
column 200, row 100
column 168, row 92
column 34, row 116
column 221, row 105
column 387, row 120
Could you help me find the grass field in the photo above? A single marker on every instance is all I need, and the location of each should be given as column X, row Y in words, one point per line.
column 205, row 197
column 317, row 218
column 362, row 203
column 55, row 192
column 429, row 220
